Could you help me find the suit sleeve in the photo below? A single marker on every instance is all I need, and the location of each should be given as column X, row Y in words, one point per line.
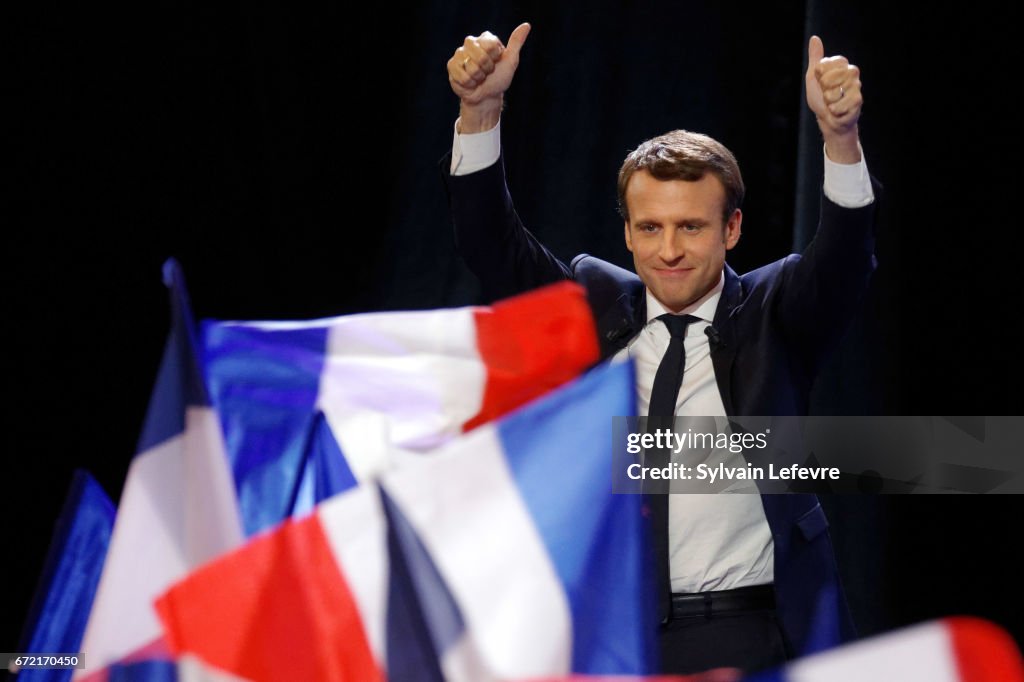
column 491, row 238
column 824, row 287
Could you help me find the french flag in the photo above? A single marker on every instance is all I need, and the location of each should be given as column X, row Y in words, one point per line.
column 178, row 507
column 956, row 649
column 67, row 586
column 310, row 409
column 502, row 555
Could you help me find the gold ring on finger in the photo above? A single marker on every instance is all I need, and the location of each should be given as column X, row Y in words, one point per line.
column 464, row 62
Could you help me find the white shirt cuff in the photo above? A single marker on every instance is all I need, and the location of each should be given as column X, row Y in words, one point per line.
column 848, row 184
column 475, row 151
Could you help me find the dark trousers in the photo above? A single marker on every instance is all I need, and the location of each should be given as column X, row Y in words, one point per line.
column 748, row 640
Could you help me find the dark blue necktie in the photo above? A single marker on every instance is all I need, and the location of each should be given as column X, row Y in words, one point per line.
column 664, row 395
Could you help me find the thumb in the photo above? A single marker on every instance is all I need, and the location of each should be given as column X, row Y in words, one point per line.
column 516, row 40
column 815, row 52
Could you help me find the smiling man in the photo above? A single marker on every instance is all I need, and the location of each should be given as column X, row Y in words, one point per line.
column 679, row 195
column 744, row 580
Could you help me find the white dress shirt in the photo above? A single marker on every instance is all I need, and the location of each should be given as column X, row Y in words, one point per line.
column 715, row 542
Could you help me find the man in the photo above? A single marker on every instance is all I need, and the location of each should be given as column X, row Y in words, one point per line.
column 752, row 578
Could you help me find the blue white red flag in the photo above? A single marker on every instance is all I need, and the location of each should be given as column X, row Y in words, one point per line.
column 958, row 649
column 178, row 507
column 539, row 571
column 312, row 408
column 57, row 617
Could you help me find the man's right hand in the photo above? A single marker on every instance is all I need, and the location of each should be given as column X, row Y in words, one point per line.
column 480, row 72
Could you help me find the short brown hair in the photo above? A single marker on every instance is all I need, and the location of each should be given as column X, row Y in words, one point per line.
column 682, row 155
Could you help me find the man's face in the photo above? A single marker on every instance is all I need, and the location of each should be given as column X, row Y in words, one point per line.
column 676, row 235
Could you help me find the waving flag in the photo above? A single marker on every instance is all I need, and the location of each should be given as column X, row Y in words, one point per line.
column 178, row 507
column 535, row 568
column 66, row 589
column 957, row 649
column 311, row 408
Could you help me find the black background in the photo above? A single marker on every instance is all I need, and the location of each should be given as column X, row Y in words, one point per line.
column 287, row 154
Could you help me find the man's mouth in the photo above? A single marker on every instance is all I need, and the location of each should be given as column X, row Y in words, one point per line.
column 673, row 272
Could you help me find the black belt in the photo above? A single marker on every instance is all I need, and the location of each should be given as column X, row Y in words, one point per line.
column 707, row 604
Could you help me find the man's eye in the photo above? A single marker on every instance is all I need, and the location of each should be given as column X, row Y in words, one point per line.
column 691, row 228
column 648, row 228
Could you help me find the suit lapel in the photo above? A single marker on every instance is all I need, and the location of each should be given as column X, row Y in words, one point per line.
column 723, row 351
column 622, row 321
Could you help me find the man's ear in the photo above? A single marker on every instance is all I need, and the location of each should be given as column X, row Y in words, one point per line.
column 629, row 238
column 733, row 229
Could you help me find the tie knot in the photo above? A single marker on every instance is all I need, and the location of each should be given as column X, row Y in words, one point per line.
column 677, row 324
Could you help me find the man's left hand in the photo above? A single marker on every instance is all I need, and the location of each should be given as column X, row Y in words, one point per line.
column 834, row 95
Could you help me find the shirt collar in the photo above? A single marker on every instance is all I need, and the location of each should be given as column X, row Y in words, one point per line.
column 704, row 307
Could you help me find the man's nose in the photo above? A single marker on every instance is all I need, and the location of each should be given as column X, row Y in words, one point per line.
column 671, row 248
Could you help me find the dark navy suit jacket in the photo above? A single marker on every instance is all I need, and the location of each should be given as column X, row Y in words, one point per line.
column 774, row 324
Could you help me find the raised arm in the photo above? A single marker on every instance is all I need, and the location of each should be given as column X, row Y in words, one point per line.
column 826, row 284
column 489, row 235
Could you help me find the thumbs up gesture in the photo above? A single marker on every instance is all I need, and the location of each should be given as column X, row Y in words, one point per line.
column 481, row 71
column 834, row 95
